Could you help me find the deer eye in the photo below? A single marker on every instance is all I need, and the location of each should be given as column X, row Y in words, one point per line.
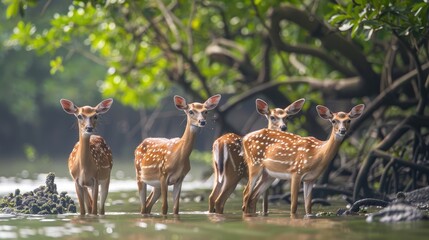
column 95, row 117
column 272, row 118
column 205, row 112
column 80, row 117
column 334, row 121
column 348, row 121
column 191, row 112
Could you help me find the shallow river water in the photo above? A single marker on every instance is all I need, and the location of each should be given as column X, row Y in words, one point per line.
column 122, row 220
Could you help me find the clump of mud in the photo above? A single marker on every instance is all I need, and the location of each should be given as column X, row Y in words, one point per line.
column 42, row 200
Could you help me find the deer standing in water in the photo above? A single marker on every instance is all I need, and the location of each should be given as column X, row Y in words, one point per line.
column 273, row 154
column 160, row 162
column 90, row 162
column 228, row 162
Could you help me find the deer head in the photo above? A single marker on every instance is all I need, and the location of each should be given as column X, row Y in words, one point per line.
column 278, row 117
column 340, row 120
column 87, row 116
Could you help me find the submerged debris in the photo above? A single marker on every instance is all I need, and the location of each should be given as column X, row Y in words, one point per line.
column 397, row 212
column 403, row 208
column 356, row 207
column 42, row 200
column 418, row 198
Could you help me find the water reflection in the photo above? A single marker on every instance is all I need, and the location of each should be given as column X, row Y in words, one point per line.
column 124, row 222
column 216, row 218
column 8, row 231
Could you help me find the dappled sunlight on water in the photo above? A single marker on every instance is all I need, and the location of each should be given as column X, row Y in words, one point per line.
column 200, row 225
column 123, row 221
column 9, row 184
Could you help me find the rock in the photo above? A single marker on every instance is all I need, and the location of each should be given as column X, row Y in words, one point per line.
column 397, row 212
column 418, row 197
column 42, row 200
column 72, row 208
column 34, row 209
column 50, row 185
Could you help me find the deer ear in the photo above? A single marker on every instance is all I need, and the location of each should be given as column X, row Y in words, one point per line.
column 180, row 102
column 262, row 107
column 356, row 111
column 295, row 107
column 212, row 102
column 104, row 106
column 68, row 106
column 324, row 112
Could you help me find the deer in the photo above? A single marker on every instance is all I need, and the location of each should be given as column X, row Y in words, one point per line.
column 228, row 163
column 273, row 154
column 160, row 162
column 90, row 161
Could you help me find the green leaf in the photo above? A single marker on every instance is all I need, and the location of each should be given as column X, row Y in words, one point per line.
column 56, row 65
column 346, row 26
column 13, row 8
column 338, row 18
column 355, row 30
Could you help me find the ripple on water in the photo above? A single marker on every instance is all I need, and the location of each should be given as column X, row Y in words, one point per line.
column 8, row 231
column 6, row 216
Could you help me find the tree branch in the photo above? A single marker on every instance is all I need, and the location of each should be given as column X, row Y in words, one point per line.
column 219, row 51
column 330, row 40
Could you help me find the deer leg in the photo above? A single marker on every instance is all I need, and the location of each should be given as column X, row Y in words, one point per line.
column 308, row 187
column 214, row 194
column 150, row 198
column 254, row 175
column 80, row 191
column 104, row 190
column 153, row 197
column 265, row 202
column 228, row 187
column 164, row 191
column 176, row 196
column 260, row 188
column 294, row 189
column 87, row 198
column 94, row 197
column 142, row 194
column 245, row 193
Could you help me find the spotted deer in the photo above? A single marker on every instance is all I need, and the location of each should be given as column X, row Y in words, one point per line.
column 273, row 154
column 160, row 162
column 90, row 162
column 228, row 162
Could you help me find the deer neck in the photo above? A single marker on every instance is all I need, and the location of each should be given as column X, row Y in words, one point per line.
column 84, row 152
column 187, row 140
column 330, row 148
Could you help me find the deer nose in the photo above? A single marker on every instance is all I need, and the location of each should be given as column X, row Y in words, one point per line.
column 342, row 131
column 202, row 122
column 89, row 129
column 283, row 128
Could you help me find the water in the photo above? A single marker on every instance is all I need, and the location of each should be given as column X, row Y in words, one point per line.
column 122, row 221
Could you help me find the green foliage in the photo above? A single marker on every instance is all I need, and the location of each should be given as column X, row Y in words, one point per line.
column 408, row 19
column 201, row 156
column 26, row 80
column 30, row 153
column 144, row 48
column 57, row 65
column 120, row 35
column 16, row 7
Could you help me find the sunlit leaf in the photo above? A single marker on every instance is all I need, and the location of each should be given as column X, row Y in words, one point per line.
column 56, row 65
column 13, row 8
column 346, row 26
